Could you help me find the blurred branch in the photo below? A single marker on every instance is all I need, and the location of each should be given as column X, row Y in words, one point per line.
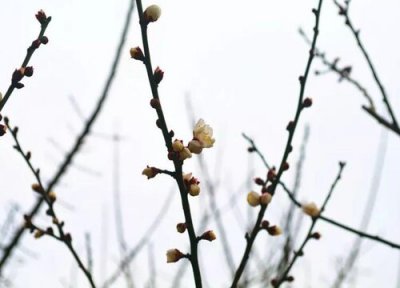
column 141, row 243
column 368, row 212
column 310, row 234
column 282, row 167
column 21, row 72
column 119, row 225
column 79, row 140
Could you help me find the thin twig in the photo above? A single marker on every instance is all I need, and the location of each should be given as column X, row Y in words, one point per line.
column 348, row 264
column 345, row 74
column 31, row 49
column 291, row 196
column 284, row 277
column 79, row 140
column 63, row 236
column 344, row 11
column 292, row 127
column 167, row 135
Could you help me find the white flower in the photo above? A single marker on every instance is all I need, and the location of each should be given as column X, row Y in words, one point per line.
column 203, row 133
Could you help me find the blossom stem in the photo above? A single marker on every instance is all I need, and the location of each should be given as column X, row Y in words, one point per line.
column 193, row 257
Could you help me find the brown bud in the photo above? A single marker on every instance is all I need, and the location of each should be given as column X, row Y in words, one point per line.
column 307, row 102
column 181, row 227
column 28, row 71
column 259, row 181
column 158, row 75
column 285, row 166
column 41, row 17
column 290, row 126
column 155, row 103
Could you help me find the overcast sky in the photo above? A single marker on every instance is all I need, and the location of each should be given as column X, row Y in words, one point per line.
column 238, row 63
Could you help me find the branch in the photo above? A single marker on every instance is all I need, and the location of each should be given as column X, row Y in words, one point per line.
column 344, row 11
column 21, row 72
column 291, row 128
column 310, row 234
column 291, row 196
column 79, row 140
column 49, row 198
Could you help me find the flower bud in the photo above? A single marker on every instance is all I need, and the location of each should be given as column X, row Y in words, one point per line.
column 274, row 230
column 37, row 188
column 310, row 209
column 44, row 40
column 174, row 255
column 41, row 16
column 259, row 181
column 265, row 198
column 158, row 75
column 316, row 235
column 3, row 129
column 181, row 227
column 150, row 172
column 137, row 53
column 38, row 234
column 177, row 145
column 52, row 196
column 209, row 236
column 290, row 126
column 307, row 102
column 184, row 154
column 152, row 13
column 195, row 146
column 253, row 198
column 271, row 174
column 28, row 71
column 194, row 190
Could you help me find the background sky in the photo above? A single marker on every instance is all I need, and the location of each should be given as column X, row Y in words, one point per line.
column 238, row 63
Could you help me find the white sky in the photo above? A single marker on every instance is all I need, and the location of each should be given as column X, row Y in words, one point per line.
column 239, row 62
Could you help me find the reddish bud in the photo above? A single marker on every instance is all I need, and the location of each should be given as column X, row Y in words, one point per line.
column 36, row 43
column 289, row 278
column 3, row 129
column 19, row 85
column 264, row 224
column 158, row 75
column 181, row 227
column 316, row 235
column 285, row 166
column 155, row 103
column 41, row 17
column 259, row 181
column 307, row 102
column 17, row 75
column 290, row 126
column 271, row 174
column 28, row 71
